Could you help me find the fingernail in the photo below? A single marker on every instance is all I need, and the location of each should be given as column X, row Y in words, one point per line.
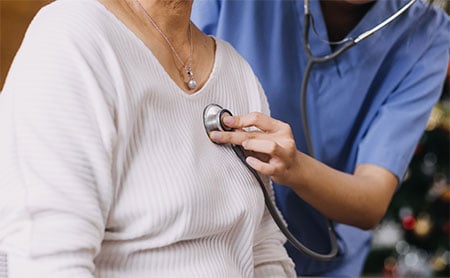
column 215, row 135
column 251, row 161
column 228, row 120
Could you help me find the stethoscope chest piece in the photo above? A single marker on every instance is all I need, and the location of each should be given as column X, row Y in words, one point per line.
column 212, row 118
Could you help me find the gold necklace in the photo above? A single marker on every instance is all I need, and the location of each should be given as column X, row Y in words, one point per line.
column 192, row 84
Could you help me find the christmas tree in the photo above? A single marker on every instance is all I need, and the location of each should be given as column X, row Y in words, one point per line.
column 413, row 238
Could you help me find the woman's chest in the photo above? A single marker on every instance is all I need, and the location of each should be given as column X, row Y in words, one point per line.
column 171, row 177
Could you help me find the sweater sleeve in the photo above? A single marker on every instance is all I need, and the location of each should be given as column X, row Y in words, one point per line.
column 270, row 256
column 56, row 147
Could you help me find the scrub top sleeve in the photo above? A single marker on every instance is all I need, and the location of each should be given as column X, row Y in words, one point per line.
column 205, row 15
column 392, row 137
column 56, row 153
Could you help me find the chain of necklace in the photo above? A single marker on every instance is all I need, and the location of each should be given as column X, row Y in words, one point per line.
column 192, row 84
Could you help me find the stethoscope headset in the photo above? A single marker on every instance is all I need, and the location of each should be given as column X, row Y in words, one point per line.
column 213, row 115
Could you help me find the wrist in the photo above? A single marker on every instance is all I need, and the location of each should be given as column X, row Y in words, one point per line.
column 298, row 176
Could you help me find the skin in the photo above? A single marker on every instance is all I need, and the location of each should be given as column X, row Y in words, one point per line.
column 342, row 16
column 359, row 199
column 173, row 18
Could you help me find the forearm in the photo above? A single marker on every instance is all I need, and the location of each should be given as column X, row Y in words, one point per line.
column 358, row 199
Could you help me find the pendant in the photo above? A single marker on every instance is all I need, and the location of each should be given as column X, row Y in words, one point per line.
column 192, row 84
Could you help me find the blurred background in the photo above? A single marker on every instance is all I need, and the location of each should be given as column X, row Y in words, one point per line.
column 413, row 238
column 15, row 15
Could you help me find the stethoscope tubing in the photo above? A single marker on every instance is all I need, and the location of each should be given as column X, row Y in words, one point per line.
column 312, row 60
column 212, row 120
column 307, row 72
column 279, row 222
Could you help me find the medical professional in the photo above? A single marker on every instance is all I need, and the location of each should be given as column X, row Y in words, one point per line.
column 366, row 109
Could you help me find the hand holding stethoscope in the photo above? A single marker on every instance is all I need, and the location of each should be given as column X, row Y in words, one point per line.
column 269, row 148
column 273, row 139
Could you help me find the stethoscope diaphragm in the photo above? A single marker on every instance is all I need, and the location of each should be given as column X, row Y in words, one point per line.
column 212, row 118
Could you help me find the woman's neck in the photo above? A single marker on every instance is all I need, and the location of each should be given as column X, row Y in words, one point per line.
column 170, row 16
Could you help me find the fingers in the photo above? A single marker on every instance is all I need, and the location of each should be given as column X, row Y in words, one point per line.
column 264, row 168
column 272, row 150
column 236, row 137
column 274, row 167
column 255, row 119
column 266, row 156
column 262, row 155
column 263, row 123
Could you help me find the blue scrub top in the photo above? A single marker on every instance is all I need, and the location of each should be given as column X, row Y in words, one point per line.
column 370, row 105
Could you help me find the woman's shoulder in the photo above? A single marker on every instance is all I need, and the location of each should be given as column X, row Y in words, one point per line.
column 224, row 47
column 230, row 55
column 78, row 18
column 70, row 10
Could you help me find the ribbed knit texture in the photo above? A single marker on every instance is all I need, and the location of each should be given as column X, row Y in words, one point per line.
column 105, row 166
column 3, row 266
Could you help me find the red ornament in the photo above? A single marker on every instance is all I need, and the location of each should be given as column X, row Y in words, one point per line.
column 408, row 222
column 419, row 149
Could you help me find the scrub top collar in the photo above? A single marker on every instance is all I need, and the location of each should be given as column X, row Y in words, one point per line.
column 357, row 54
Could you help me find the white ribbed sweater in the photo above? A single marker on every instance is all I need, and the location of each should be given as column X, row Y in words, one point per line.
column 106, row 169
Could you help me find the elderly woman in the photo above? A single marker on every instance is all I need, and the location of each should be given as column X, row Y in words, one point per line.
column 105, row 166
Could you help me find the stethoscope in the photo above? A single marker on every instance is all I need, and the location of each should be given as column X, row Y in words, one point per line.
column 212, row 120
column 214, row 113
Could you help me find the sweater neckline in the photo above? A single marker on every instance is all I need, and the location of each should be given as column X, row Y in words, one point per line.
column 167, row 78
